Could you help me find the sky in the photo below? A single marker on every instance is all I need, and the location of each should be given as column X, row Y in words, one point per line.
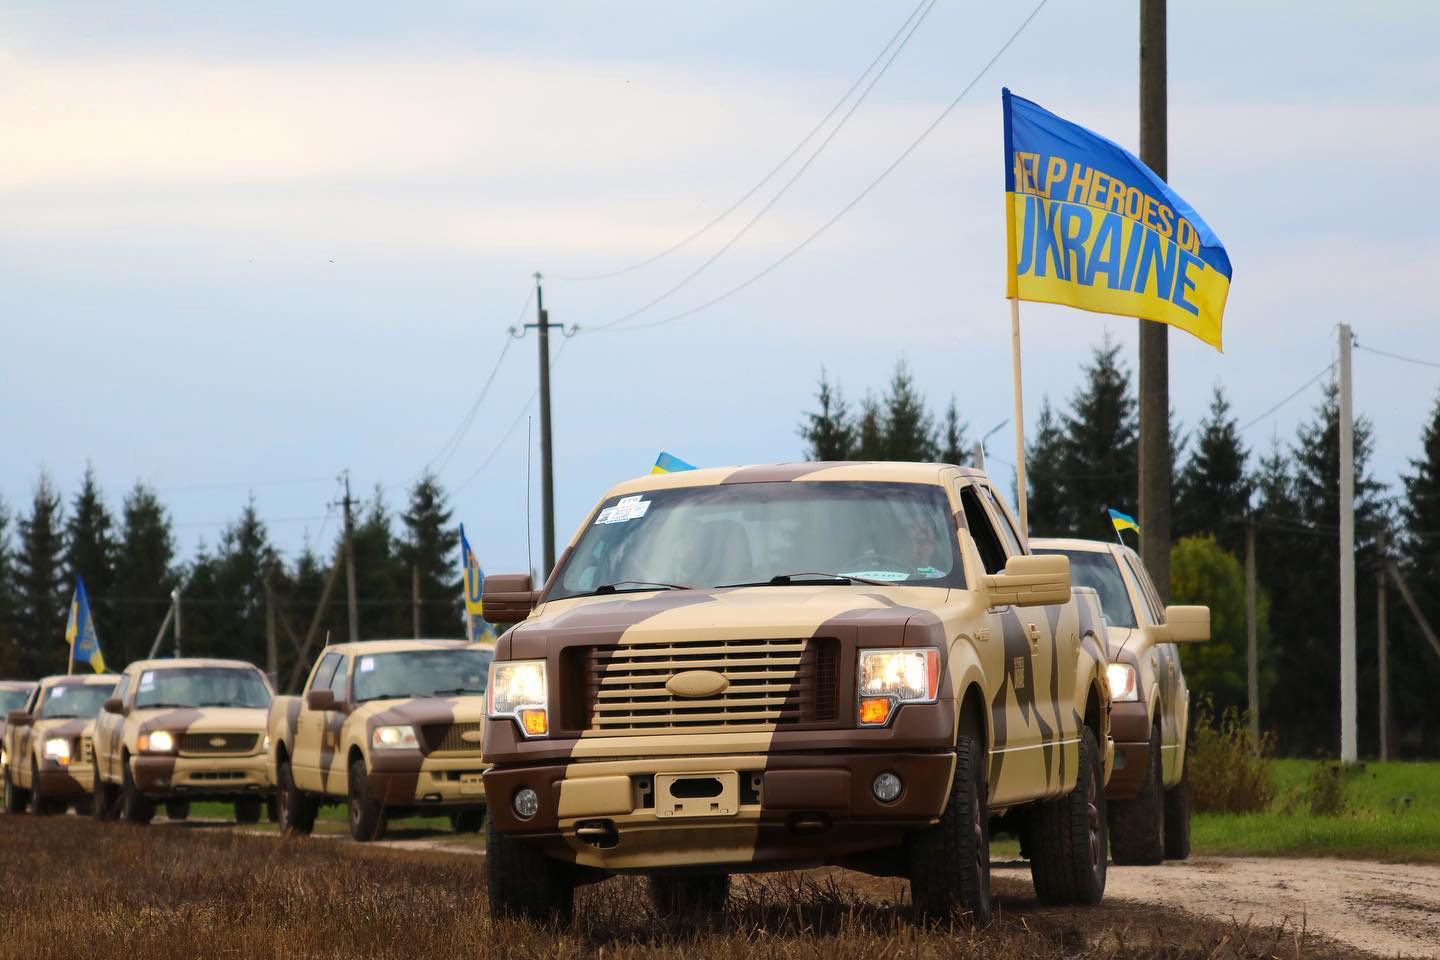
column 245, row 247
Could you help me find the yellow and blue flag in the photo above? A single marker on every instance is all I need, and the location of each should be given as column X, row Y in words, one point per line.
column 669, row 464
column 476, row 628
column 1123, row 521
column 80, row 631
column 1090, row 226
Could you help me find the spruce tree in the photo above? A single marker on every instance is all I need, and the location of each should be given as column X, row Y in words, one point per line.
column 90, row 551
column 1213, row 491
column 828, row 432
column 431, row 544
column 1049, row 504
column 871, row 442
column 1101, row 432
column 952, row 441
column 1414, row 670
column 9, row 652
column 382, row 579
column 233, row 603
column 909, row 427
column 40, row 581
column 144, row 576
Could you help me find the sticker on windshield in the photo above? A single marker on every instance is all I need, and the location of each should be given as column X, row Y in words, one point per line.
column 57, row 692
column 367, row 664
column 147, row 680
column 889, row 575
column 629, row 508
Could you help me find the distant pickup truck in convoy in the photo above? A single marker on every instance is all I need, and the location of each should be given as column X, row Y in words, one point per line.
column 391, row 728
column 46, row 752
column 771, row 667
column 1149, row 793
column 181, row 730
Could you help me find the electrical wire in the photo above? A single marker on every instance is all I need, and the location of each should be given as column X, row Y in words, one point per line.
column 929, row 5
column 1301, row 389
column 763, row 180
column 914, row 145
column 1396, row 356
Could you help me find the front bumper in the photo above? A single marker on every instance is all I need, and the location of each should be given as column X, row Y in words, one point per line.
column 411, row 780
column 792, row 809
column 74, row 781
column 193, row 777
column 1130, row 726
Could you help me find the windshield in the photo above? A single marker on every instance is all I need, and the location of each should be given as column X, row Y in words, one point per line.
column 422, row 673
column 751, row 533
column 202, row 687
column 74, row 700
column 12, row 700
column 1098, row 570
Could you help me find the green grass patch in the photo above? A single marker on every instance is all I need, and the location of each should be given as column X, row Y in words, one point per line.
column 1391, row 813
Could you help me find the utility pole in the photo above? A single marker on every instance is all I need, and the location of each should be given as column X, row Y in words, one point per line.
column 1348, row 746
column 350, row 563
column 175, row 599
column 547, row 466
column 415, row 597
column 1382, row 641
column 1154, row 452
column 1252, row 645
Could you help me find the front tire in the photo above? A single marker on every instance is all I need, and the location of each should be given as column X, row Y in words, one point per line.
column 177, row 809
column 249, row 811
column 525, row 884
column 135, row 807
column 1177, row 817
column 16, row 800
column 105, row 805
column 367, row 815
column 296, row 810
column 1068, row 836
column 687, row 898
column 41, row 805
column 471, row 821
column 1137, row 825
column 949, row 863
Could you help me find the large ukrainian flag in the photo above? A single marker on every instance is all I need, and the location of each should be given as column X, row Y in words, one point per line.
column 1090, row 226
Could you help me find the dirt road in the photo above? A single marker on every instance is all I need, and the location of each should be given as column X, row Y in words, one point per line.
column 1386, row 909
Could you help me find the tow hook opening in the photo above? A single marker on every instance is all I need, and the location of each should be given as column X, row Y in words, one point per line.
column 600, row 834
column 808, row 823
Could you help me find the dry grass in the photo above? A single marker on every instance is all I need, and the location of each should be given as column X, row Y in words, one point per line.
column 1229, row 771
column 75, row 887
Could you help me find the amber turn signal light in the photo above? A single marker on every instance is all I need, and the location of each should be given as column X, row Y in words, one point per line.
column 874, row 711
column 535, row 722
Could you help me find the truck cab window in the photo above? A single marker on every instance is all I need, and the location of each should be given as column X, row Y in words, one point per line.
column 992, row 555
column 340, row 683
column 325, row 672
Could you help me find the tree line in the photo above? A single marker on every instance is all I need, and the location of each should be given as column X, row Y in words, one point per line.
column 130, row 565
column 1081, row 459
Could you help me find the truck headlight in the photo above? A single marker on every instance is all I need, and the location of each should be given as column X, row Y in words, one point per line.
column 891, row 677
column 1123, row 687
column 397, row 737
column 58, row 749
column 156, row 741
column 517, row 690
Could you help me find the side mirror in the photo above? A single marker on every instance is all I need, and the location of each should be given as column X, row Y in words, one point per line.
column 114, row 705
column 19, row 718
column 508, row 597
column 1184, row 625
column 1031, row 581
column 323, row 699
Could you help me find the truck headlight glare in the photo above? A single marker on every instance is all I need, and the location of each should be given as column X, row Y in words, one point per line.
column 156, row 741
column 518, row 690
column 58, row 749
column 891, row 677
column 395, row 737
column 1122, row 682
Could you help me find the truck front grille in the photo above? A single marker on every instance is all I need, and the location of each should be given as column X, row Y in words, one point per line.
column 212, row 744
column 771, row 683
column 450, row 738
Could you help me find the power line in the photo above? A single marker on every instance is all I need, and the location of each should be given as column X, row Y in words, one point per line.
column 242, row 484
column 763, row 180
column 929, row 5
column 1396, row 356
column 1301, row 389
column 924, row 134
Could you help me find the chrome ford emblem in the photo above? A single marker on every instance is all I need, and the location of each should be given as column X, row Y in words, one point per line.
column 217, row 741
column 697, row 683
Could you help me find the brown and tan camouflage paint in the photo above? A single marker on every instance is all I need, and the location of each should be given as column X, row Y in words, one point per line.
column 25, row 745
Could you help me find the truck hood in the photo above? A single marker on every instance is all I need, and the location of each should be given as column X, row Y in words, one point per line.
column 423, row 710
column 204, row 719
column 65, row 727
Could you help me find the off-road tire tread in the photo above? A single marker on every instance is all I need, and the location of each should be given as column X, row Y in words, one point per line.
column 1060, row 839
column 1137, row 825
column 524, row 884
column 1177, row 817
column 942, row 859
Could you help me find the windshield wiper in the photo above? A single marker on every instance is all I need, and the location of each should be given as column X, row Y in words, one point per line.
column 60, row 716
column 639, row 585
column 453, row 691
column 786, row 579
column 165, row 706
column 389, row 696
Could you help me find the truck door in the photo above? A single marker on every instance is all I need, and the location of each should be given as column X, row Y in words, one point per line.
column 20, row 754
column 107, row 726
column 334, row 778
column 309, row 730
column 1173, row 702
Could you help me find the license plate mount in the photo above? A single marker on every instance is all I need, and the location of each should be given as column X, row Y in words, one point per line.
column 686, row 795
column 472, row 783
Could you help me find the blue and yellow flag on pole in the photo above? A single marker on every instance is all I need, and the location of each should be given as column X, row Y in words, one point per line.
column 1090, row 226
column 1123, row 521
column 80, row 631
column 668, row 464
column 476, row 628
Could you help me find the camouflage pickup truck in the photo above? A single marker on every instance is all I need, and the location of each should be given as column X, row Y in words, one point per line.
column 391, row 728
column 1149, row 793
column 771, row 667
column 47, row 744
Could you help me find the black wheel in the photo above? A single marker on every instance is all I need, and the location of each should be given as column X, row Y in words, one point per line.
column 16, row 800
column 249, row 810
column 1067, row 836
column 525, row 884
column 471, row 821
column 177, row 809
column 1137, row 825
column 367, row 816
column 1177, row 817
column 135, row 807
column 690, row 898
column 950, row 862
column 296, row 811
column 84, row 806
column 41, row 805
column 105, row 804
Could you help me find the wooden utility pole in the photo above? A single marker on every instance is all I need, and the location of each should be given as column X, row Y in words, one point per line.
column 1154, row 452
column 547, row 465
column 1382, row 641
column 350, row 599
column 175, row 599
column 1252, row 644
column 1348, row 699
column 415, row 597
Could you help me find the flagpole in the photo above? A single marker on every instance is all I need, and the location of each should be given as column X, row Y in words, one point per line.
column 1020, row 489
